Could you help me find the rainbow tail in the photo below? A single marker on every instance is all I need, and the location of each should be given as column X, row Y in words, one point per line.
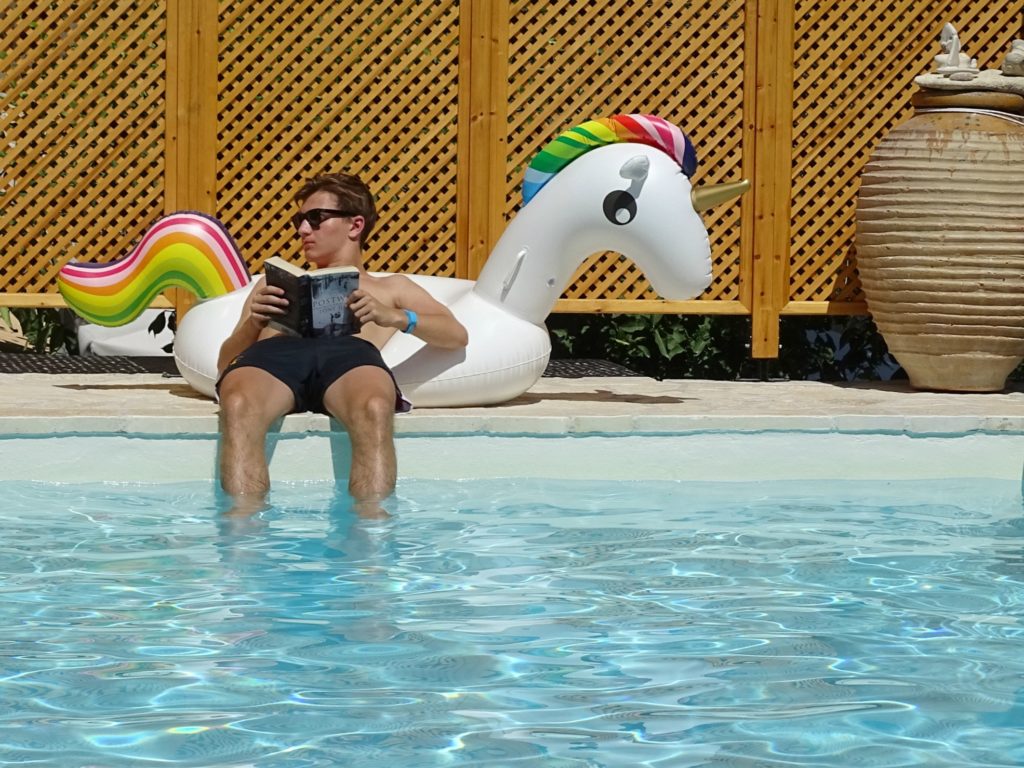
column 185, row 250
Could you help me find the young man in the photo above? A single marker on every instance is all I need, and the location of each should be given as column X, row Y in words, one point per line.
column 266, row 374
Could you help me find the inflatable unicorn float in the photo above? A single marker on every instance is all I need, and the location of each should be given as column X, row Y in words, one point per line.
column 620, row 184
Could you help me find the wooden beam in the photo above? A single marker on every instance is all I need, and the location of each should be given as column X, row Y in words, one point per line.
column 773, row 114
column 483, row 131
column 43, row 300
column 817, row 308
column 191, row 115
column 651, row 306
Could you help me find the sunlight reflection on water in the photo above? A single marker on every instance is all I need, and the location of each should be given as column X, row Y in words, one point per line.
column 557, row 623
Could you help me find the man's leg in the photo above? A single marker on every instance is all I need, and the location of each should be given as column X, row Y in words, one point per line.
column 250, row 401
column 364, row 401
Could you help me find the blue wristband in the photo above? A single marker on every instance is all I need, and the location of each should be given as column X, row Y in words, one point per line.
column 413, row 319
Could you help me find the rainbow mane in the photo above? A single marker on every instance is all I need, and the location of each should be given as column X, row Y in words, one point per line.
column 640, row 129
column 185, row 250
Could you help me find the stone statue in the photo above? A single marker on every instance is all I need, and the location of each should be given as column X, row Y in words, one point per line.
column 954, row 72
column 952, row 60
column 1013, row 64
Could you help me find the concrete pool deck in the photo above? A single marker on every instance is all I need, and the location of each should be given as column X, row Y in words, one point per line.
column 151, row 427
column 154, row 403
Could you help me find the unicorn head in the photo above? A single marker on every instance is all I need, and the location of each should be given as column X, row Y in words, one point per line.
column 620, row 184
column 633, row 129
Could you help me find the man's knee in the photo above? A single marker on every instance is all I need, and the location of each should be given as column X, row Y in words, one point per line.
column 235, row 401
column 379, row 409
column 374, row 414
column 242, row 402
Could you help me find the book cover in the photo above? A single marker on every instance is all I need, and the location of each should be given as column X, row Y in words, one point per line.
column 317, row 300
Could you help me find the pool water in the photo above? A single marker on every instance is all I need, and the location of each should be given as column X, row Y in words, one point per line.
column 499, row 623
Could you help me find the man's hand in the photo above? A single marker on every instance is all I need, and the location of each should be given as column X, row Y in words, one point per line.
column 436, row 325
column 368, row 310
column 265, row 302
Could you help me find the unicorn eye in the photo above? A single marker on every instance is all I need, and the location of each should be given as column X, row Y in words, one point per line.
column 619, row 207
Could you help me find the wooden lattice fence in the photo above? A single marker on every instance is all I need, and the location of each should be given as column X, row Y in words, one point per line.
column 115, row 112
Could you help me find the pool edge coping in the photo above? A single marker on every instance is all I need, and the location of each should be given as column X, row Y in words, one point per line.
column 475, row 424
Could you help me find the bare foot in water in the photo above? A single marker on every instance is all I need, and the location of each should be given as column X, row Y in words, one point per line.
column 247, row 505
column 370, row 510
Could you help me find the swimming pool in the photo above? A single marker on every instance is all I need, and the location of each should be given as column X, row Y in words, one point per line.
column 541, row 621
column 726, row 455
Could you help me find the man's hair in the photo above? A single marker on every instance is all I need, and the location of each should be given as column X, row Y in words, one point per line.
column 351, row 193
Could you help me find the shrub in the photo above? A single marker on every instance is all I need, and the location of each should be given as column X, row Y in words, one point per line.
column 46, row 330
column 718, row 346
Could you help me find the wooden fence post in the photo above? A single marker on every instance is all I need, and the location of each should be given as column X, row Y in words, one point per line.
column 191, row 114
column 773, row 113
column 483, row 130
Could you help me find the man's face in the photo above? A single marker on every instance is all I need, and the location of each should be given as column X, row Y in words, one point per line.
column 334, row 234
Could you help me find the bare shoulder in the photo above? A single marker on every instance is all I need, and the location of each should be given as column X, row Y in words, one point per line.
column 393, row 285
column 386, row 282
column 393, row 279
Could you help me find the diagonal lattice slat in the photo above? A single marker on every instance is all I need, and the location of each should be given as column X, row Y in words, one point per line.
column 103, row 104
column 82, row 123
column 571, row 61
column 367, row 87
column 853, row 79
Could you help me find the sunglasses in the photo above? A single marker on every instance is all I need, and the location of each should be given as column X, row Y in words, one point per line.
column 317, row 216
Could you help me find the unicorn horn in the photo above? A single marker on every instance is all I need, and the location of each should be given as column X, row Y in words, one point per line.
column 706, row 197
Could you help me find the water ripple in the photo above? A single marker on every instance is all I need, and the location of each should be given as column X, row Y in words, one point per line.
column 549, row 623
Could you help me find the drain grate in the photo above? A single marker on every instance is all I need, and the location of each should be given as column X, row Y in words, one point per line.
column 581, row 369
column 28, row 362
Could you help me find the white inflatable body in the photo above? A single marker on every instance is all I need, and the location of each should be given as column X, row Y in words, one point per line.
column 627, row 197
column 490, row 370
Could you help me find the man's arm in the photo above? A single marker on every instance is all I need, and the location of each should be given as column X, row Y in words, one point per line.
column 264, row 302
column 435, row 323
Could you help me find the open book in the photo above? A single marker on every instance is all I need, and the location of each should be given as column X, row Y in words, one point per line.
column 317, row 300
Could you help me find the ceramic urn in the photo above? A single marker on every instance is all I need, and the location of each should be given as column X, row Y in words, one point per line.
column 940, row 239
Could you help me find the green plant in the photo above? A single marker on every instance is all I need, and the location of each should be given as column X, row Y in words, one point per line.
column 660, row 346
column 45, row 329
column 835, row 348
column 718, row 347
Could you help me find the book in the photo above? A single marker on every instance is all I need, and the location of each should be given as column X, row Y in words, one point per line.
column 317, row 300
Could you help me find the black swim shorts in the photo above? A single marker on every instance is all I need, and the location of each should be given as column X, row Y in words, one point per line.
column 310, row 366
